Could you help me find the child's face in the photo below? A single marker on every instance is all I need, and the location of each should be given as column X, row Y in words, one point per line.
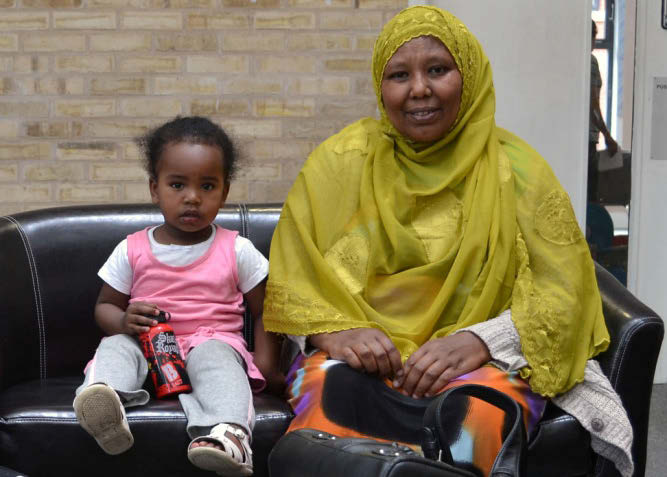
column 190, row 188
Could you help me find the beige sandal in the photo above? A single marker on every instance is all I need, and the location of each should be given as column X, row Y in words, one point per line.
column 102, row 415
column 228, row 461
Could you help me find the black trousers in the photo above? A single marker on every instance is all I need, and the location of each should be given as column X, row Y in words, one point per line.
column 593, row 174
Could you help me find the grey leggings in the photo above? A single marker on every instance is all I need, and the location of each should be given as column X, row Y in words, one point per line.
column 220, row 388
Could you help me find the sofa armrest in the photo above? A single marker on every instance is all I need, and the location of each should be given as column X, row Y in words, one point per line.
column 21, row 310
column 636, row 334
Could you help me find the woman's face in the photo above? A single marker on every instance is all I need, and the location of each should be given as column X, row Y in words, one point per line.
column 421, row 89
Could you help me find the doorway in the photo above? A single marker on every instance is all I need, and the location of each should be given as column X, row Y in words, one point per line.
column 608, row 204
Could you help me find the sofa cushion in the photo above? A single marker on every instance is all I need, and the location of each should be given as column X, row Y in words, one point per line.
column 559, row 446
column 39, row 416
column 40, row 433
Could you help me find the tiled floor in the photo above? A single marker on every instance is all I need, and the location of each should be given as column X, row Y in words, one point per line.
column 656, row 463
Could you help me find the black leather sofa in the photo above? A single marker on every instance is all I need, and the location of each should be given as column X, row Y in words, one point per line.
column 48, row 286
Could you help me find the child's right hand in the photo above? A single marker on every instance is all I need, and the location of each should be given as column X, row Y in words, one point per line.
column 136, row 318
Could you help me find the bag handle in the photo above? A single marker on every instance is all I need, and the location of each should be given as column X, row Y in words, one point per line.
column 510, row 461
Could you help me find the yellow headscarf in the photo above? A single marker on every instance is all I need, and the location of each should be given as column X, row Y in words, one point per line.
column 420, row 240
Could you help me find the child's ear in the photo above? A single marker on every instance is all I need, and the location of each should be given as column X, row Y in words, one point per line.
column 152, row 186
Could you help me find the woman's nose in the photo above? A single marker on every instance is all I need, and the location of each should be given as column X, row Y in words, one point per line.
column 420, row 86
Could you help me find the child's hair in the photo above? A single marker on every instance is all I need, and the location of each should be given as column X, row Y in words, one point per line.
column 193, row 130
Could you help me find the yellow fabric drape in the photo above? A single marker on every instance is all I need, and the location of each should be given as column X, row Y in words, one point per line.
column 420, row 240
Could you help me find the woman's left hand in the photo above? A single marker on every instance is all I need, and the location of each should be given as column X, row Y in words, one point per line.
column 439, row 361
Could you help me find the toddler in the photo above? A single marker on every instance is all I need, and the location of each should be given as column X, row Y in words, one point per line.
column 200, row 273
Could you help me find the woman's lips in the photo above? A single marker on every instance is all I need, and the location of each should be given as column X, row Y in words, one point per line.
column 423, row 115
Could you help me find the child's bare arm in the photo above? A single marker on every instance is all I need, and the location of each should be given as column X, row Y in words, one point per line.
column 267, row 345
column 115, row 315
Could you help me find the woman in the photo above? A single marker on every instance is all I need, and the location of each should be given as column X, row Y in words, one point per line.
column 431, row 249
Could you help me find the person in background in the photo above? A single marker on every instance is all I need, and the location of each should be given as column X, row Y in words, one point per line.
column 596, row 125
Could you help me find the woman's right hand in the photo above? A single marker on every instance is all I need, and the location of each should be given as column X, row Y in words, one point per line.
column 364, row 349
column 136, row 318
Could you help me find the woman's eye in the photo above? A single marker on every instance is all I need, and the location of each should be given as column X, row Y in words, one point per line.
column 437, row 70
column 208, row 187
column 176, row 185
column 398, row 75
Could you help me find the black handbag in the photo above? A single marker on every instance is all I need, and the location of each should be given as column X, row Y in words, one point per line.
column 313, row 453
column 439, row 431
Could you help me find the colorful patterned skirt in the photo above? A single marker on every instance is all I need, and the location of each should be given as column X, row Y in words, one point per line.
column 330, row 396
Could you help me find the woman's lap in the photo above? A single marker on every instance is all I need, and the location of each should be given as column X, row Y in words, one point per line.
column 328, row 395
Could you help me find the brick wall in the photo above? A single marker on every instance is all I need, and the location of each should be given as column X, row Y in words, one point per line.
column 79, row 79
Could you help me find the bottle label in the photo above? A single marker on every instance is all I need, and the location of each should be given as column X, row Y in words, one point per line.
column 165, row 364
column 165, row 343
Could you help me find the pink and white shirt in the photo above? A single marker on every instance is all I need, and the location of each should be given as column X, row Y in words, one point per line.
column 203, row 296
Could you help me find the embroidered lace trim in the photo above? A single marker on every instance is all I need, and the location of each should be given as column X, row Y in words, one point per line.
column 504, row 168
column 536, row 317
column 349, row 260
column 297, row 315
column 555, row 220
column 437, row 220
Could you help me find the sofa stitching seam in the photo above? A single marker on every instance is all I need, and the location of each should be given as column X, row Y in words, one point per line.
column 616, row 366
column 18, row 420
column 34, row 275
column 245, row 226
column 247, row 322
